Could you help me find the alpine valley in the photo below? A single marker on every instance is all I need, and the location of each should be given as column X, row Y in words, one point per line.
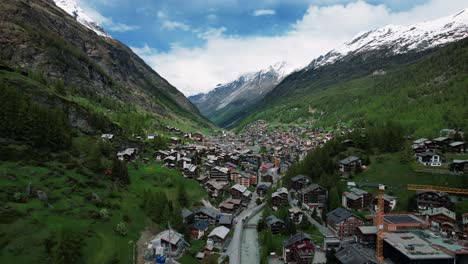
column 358, row 156
column 417, row 71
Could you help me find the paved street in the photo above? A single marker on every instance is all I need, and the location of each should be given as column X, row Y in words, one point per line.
column 233, row 250
column 323, row 229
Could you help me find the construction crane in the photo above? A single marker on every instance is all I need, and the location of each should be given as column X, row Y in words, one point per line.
column 417, row 187
column 380, row 223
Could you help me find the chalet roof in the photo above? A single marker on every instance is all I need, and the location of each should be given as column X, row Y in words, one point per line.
column 310, row 188
column 209, row 211
column 247, row 193
column 225, row 219
column 218, row 185
column 298, row 177
column 221, row 169
column 262, row 187
column 230, row 164
column 426, row 154
column 240, row 188
column 108, row 136
column 169, row 236
column 234, row 201
column 220, row 231
column 420, row 141
column 201, row 225
column 439, row 211
column 456, row 143
column 358, row 191
column 351, row 255
column 296, row 238
column 351, row 196
column 280, row 191
column 339, row 215
column 441, row 194
column 271, row 220
column 190, row 167
column 368, row 230
column 349, row 160
column 227, row 205
column 163, row 152
column 128, row 151
column 440, row 139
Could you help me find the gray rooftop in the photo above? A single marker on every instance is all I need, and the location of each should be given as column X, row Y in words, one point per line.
column 414, row 247
column 339, row 214
column 349, row 160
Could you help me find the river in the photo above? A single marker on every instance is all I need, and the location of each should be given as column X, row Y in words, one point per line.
column 250, row 251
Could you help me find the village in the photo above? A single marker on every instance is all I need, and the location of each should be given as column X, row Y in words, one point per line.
column 244, row 178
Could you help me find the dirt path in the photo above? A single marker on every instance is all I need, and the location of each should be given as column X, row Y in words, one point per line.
column 146, row 236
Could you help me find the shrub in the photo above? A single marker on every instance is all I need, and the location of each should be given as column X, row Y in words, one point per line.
column 104, row 214
column 121, row 228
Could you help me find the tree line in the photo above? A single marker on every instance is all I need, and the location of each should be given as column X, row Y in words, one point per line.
column 27, row 121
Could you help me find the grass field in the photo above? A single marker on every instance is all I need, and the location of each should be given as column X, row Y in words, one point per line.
column 25, row 225
column 389, row 170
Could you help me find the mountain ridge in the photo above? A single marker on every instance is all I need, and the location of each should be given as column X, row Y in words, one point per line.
column 73, row 9
column 231, row 98
column 41, row 37
column 398, row 39
column 318, row 85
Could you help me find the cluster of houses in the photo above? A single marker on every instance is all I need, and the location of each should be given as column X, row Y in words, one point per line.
column 428, row 151
column 435, row 215
column 235, row 168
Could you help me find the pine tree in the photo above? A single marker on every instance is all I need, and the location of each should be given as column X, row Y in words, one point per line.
column 68, row 249
column 120, row 171
column 93, row 162
column 183, row 197
column 176, row 220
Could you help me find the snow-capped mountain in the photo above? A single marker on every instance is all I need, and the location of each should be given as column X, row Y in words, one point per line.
column 246, row 90
column 394, row 39
column 72, row 8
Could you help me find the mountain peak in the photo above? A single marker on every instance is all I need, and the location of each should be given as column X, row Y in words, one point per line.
column 73, row 9
column 399, row 39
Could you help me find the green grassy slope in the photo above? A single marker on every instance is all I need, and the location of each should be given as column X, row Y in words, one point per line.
column 25, row 225
column 425, row 94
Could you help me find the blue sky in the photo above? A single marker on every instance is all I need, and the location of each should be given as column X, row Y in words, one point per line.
column 199, row 43
column 164, row 22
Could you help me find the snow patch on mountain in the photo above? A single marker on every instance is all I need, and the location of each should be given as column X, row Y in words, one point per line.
column 396, row 39
column 73, row 9
column 247, row 89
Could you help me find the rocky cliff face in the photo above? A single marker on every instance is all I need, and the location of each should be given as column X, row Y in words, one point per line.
column 39, row 36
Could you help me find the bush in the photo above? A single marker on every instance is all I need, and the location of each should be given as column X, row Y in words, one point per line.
column 121, row 228
column 104, row 214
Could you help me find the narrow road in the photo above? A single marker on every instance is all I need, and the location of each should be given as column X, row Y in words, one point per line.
column 233, row 250
column 323, row 229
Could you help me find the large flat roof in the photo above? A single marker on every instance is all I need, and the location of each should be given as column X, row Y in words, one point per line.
column 414, row 247
column 403, row 219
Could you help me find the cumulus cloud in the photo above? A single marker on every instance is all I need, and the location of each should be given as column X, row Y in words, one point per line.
column 264, row 12
column 224, row 57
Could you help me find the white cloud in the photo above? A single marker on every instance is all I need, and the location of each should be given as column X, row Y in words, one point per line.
column 120, row 27
column 223, row 58
column 173, row 25
column 264, row 12
column 107, row 22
